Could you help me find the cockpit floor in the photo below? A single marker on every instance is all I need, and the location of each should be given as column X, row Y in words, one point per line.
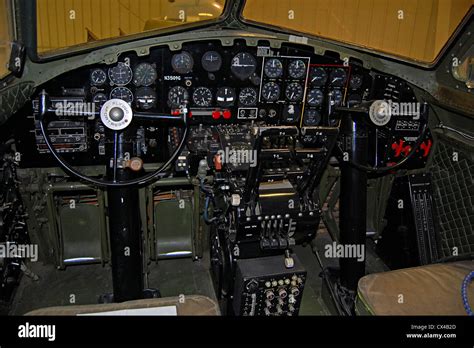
column 84, row 284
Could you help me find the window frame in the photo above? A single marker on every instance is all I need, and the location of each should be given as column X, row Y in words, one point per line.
column 418, row 63
column 29, row 28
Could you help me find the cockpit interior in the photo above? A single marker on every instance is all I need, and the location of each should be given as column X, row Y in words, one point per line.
column 236, row 158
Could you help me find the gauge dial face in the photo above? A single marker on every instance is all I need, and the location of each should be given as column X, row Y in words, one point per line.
column 336, row 97
column 121, row 74
column 356, row 81
column 297, row 69
column 202, row 96
column 122, row 93
column 338, row 77
column 243, row 65
column 225, row 96
column 311, row 117
column 182, row 63
column 294, row 92
column 273, row 68
column 177, row 96
column 318, row 77
column 98, row 77
column 211, row 61
column 248, row 96
column 315, row 97
column 99, row 99
column 145, row 98
column 271, row 91
column 144, row 75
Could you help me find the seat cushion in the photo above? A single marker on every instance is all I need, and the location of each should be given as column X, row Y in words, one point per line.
column 426, row 290
column 187, row 305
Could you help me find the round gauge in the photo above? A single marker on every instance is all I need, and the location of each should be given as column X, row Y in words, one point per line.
column 336, row 97
column 145, row 98
column 318, row 77
column 297, row 69
column 294, row 92
column 122, row 93
column 144, row 75
column 98, row 77
column 248, row 96
column 121, row 74
column 99, row 99
column 273, row 68
column 182, row 63
column 225, row 96
column 271, row 91
column 311, row 117
column 356, row 81
column 177, row 96
column 243, row 65
column 315, row 97
column 338, row 77
column 211, row 61
column 202, row 96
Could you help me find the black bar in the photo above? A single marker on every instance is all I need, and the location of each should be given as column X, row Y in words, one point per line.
column 125, row 235
column 353, row 200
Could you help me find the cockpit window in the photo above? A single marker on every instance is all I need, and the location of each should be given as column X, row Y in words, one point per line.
column 415, row 29
column 6, row 36
column 63, row 24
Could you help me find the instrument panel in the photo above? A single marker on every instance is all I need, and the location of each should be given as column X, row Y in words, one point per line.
column 220, row 84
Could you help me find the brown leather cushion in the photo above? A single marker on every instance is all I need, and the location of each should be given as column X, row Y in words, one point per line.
column 192, row 305
column 426, row 290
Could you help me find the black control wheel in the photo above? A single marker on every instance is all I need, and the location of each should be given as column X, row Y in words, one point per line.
column 116, row 115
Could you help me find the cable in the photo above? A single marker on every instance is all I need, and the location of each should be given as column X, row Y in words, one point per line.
column 465, row 300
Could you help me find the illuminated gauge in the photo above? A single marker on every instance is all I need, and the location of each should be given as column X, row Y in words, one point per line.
column 273, row 68
column 248, row 96
column 336, row 97
column 315, row 97
column 182, row 63
column 211, row 61
column 122, row 93
column 297, row 69
column 271, row 91
column 202, row 96
column 294, row 92
column 356, row 81
column 338, row 77
column 311, row 117
column 121, row 74
column 145, row 74
column 177, row 96
column 99, row 99
column 98, row 77
column 225, row 96
column 318, row 77
column 145, row 98
column 243, row 65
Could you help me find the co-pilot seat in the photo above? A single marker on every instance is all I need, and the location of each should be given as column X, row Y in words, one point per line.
column 426, row 290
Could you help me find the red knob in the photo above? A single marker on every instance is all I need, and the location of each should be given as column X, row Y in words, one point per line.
column 216, row 115
column 227, row 114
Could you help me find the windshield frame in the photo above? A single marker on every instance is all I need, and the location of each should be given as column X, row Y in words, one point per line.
column 29, row 29
column 418, row 63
